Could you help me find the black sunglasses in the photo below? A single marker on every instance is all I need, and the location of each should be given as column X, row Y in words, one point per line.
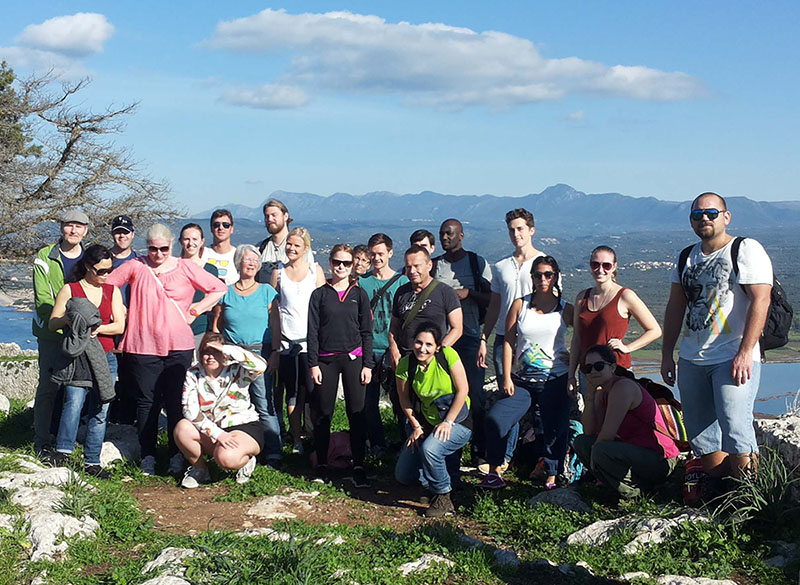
column 711, row 213
column 595, row 265
column 162, row 249
column 542, row 275
column 225, row 224
column 597, row 366
column 102, row 271
column 337, row 262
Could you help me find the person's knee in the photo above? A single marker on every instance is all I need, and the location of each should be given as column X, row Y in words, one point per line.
column 228, row 458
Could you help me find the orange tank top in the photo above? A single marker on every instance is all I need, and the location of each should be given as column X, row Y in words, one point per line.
column 597, row 327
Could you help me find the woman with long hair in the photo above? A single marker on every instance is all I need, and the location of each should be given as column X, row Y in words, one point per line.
column 295, row 281
column 603, row 313
column 88, row 280
column 158, row 340
column 433, row 392
column 340, row 345
column 193, row 241
column 535, row 365
column 622, row 443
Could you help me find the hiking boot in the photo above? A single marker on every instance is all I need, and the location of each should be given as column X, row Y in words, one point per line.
column 194, row 477
column 148, row 465
column 492, row 482
column 245, row 473
column 95, row 470
column 441, row 505
column 177, row 465
column 483, row 468
column 360, row 478
column 321, row 474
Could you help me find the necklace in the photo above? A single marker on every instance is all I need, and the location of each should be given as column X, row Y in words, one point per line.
column 607, row 296
column 240, row 289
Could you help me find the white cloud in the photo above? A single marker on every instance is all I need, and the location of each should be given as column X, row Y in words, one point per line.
column 76, row 35
column 21, row 58
column 267, row 97
column 576, row 116
column 435, row 64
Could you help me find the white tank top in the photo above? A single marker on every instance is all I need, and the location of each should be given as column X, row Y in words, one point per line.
column 293, row 306
column 541, row 352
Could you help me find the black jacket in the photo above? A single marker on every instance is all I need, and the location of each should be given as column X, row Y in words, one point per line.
column 339, row 326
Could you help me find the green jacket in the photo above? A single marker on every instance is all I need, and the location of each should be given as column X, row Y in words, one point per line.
column 48, row 278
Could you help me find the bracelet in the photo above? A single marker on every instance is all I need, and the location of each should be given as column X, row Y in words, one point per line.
column 483, row 339
column 448, row 421
column 193, row 312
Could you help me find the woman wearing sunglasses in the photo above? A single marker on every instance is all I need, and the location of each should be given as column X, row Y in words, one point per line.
column 603, row 313
column 193, row 241
column 621, row 443
column 158, row 342
column 88, row 280
column 295, row 281
column 340, row 345
column 536, row 325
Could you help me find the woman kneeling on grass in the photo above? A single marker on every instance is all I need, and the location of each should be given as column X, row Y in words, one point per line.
column 622, row 444
column 219, row 419
column 432, row 385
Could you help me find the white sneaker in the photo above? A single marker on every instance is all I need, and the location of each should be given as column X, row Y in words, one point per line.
column 245, row 473
column 148, row 465
column 195, row 476
column 297, row 448
column 177, row 464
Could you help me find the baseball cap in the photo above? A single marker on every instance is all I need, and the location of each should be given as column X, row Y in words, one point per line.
column 74, row 216
column 122, row 222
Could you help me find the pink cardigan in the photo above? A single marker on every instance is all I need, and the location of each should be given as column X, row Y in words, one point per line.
column 155, row 325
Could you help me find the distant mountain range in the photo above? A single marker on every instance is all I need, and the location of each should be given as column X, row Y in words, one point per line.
column 559, row 207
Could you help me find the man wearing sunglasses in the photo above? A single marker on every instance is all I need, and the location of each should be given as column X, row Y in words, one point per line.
column 221, row 252
column 719, row 362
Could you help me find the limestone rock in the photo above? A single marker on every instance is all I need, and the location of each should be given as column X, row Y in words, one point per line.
column 29, row 404
column 47, row 531
column 55, row 476
column 121, row 444
column 166, row 580
column 598, row 533
column 566, row 497
column 326, row 540
column 19, row 378
column 783, row 435
column 583, row 566
column 279, row 507
column 5, row 405
column 268, row 532
column 656, row 530
column 41, row 497
column 7, row 521
column 24, row 461
column 634, row 575
column 170, row 561
column 423, row 563
column 506, row 558
column 677, row 580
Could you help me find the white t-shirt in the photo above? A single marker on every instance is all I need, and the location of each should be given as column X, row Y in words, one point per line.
column 716, row 304
column 224, row 263
column 511, row 281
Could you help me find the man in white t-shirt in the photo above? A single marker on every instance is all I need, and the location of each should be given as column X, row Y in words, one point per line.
column 719, row 362
column 221, row 252
column 273, row 248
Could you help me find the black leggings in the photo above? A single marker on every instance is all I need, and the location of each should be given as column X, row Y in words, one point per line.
column 323, row 404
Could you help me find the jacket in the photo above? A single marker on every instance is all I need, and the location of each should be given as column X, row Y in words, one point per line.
column 339, row 326
column 78, row 341
column 48, row 278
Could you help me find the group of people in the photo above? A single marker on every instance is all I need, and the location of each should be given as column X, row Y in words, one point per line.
column 222, row 336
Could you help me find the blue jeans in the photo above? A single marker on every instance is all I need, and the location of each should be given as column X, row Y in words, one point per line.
column 263, row 400
column 74, row 397
column 717, row 413
column 497, row 358
column 427, row 465
column 467, row 349
column 554, row 403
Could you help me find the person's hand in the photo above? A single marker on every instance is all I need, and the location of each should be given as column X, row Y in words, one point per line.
column 483, row 351
column 366, row 376
column 462, row 293
column 394, row 357
column 572, row 387
column 227, row 440
column 316, row 375
column 668, row 370
column 413, row 438
column 442, row 431
column 617, row 345
column 508, row 386
column 215, row 345
column 93, row 332
column 272, row 362
column 742, row 368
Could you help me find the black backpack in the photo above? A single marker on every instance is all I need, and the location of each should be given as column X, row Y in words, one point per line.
column 780, row 313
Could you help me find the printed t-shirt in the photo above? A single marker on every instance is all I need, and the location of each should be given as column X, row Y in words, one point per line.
column 716, row 303
column 439, row 304
column 382, row 314
column 245, row 319
column 459, row 275
column 226, row 270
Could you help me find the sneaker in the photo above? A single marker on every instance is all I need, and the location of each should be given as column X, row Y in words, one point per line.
column 483, row 468
column 492, row 482
column 297, row 448
column 95, row 470
column 360, row 478
column 148, row 465
column 245, row 473
column 441, row 505
column 177, row 465
column 55, row 458
column 321, row 474
column 194, row 477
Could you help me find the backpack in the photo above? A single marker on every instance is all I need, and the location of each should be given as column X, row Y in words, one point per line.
column 780, row 312
column 671, row 413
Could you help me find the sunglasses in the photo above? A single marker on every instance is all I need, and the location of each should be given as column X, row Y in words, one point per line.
column 711, row 213
column 595, row 265
column 155, row 249
column 547, row 275
column 102, row 271
column 337, row 262
column 596, row 366
column 219, row 224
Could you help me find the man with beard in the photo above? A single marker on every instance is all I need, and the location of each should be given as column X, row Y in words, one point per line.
column 470, row 276
column 719, row 362
column 273, row 248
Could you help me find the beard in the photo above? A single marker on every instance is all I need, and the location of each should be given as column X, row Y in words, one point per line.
column 274, row 228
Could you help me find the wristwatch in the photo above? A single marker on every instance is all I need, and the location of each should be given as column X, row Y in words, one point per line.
column 193, row 312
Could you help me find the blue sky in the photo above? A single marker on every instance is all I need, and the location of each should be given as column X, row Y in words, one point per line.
column 240, row 99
